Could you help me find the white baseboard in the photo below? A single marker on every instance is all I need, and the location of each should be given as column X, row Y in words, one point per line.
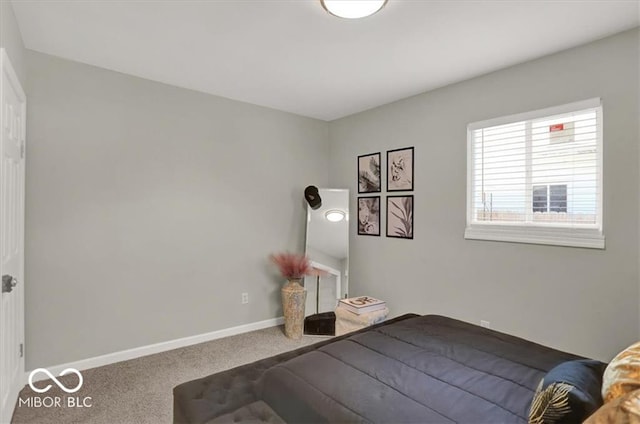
column 138, row 352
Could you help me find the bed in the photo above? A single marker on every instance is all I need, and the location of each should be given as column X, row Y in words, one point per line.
column 420, row 369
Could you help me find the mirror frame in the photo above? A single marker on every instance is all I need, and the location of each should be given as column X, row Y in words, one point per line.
column 342, row 284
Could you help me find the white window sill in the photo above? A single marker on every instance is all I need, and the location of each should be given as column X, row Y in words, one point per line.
column 586, row 238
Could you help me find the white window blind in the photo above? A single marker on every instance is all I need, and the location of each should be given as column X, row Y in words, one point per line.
column 537, row 177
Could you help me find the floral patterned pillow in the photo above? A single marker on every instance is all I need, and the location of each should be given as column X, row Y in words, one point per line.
column 622, row 374
column 622, row 410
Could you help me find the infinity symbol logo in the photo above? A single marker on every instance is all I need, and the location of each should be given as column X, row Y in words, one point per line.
column 51, row 376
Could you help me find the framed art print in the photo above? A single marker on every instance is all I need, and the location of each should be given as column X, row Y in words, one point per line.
column 400, row 169
column 369, row 180
column 400, row 216
column 369, row 216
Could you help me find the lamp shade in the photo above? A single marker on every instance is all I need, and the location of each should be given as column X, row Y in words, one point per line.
column 352, row 9
column 334, row 215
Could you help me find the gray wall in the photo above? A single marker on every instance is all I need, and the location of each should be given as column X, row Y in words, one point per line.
column 151, row 208
column 580, row 300
column 11, row 40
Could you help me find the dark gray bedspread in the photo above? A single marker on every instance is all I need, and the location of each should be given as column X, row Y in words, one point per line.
column 428, row 369
column 420, row 369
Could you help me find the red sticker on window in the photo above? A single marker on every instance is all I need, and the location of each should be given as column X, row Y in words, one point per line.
column 556, row 127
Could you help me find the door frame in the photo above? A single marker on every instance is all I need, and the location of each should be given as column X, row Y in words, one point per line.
column 6, row 68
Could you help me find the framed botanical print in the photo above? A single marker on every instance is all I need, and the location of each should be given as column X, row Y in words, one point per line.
column 400, row 216
column 369, row 216
column 400, row 169
column 369, row 180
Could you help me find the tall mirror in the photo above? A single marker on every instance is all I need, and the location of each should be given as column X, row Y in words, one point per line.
column 328, row 249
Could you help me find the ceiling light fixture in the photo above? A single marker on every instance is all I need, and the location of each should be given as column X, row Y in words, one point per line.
column 334, row 215
column 352, row 9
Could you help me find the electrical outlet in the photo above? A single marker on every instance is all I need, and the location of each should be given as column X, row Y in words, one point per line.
column 485, row 324
column 245, row 298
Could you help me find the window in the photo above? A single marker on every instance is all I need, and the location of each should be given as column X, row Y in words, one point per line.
column 549, row 198
column 537, row 177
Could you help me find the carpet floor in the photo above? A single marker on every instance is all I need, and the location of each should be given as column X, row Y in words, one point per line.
column 139, row 391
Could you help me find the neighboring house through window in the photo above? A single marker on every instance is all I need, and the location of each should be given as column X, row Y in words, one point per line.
column 550, row 198
column 537, row 177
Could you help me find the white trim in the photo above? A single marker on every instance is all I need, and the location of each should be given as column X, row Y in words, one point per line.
column 600, row 167
column 535, row 114
column 7, row 68
column 470, row 173
column 591, row 239
column 125, row 355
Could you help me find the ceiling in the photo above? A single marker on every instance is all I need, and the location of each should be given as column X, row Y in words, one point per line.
column 293, row 56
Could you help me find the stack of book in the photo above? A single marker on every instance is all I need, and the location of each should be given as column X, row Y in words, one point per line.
column 362, row 304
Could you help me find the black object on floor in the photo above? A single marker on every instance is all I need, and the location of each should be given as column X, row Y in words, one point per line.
column 323, row 324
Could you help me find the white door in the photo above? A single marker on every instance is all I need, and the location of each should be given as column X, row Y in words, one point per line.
column 12, row 122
